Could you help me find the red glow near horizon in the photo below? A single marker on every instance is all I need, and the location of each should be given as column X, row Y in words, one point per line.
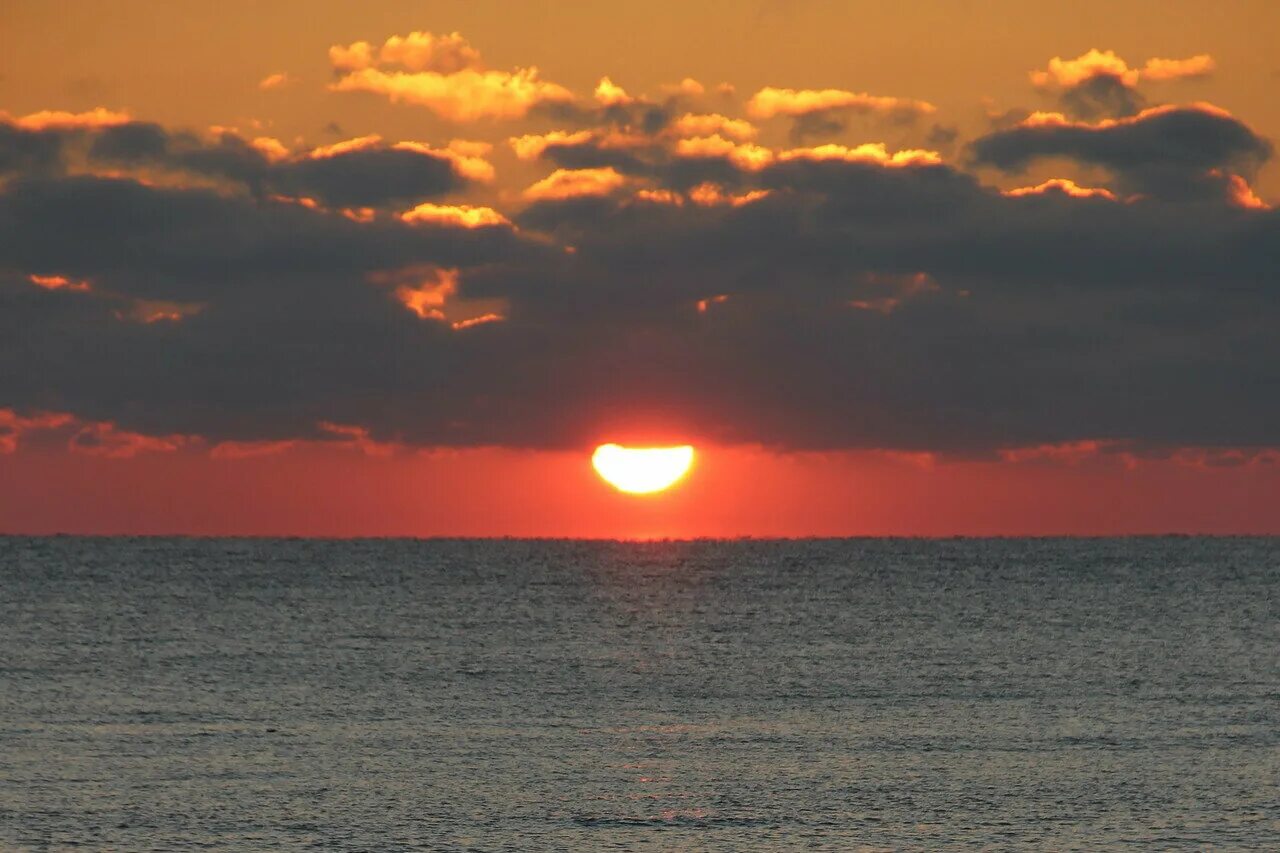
column 321, row 489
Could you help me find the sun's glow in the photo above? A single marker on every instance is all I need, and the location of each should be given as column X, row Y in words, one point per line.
column 641, row 470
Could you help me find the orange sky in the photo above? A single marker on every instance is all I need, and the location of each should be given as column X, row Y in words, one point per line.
column 922, row 81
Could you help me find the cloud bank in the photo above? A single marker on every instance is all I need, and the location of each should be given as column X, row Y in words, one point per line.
column 669, row 275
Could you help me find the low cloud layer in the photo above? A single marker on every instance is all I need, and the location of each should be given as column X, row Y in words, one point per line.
column 668, row 274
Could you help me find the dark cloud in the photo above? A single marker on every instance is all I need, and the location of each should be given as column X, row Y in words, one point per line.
column 1101, row 96
column 818, row 124
column 905, row 307
column 134, row 142
column 168, row 243
column 942, row 136
column 29, row 151
column 370, row 177
column 1166, row 151
column 362, row 177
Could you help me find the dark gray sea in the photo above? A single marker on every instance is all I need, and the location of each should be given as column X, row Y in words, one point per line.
column 177, row 694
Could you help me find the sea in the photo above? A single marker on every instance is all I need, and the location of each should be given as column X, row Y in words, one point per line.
column 509, row 695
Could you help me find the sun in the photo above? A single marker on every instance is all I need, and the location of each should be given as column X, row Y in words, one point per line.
column 641, row 470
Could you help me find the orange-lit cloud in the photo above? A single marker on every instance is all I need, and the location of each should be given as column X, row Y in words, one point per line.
column 1240, row 194
column 1056, row 119
column 455, row 215
column 58, row 282
column 360, row 143
column 670, row 197
column 610, row 94
column 688, row 87
column 61, row 120
column 1065, row 186
column 901, row 287
column 105, row 439
column 770, row 102
column 14, row 426
column 300, row 201
column 708, row 194
column 703, row 305
column 531, row 145
column 744, row 155
column 1093, row 63
column 1173, row 69
column 443, row 74
column 158, row 311
column 434, row 298
column 357, row 437
column 713, row 124
column 480, row 320
column 463, row 96
column 275, row 81
column 271, row 148
column 427, row 299
column 869, row 152
column 418, row 51
column 576, row 183
column 467, row 157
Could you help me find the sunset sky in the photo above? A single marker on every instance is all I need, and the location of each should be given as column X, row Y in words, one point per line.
column 397, row 268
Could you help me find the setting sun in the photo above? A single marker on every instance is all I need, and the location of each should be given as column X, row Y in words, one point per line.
column 641, row 470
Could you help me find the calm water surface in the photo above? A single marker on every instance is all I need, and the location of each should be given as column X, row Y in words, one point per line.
column 166, row 694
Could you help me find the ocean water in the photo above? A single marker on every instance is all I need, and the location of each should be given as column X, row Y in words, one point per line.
column 170, row 694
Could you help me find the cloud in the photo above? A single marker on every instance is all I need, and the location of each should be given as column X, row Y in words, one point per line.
column 367, row 177
column 824, row 112
column 275, row 81
column 1064, row 186
column 105, row 439
column 712, row 195
column 610, row 94
column 1101, row 96
column 531, row 146
column 459, row 216
column 464, row 96
column 1200, row 65
column 1165, row 151
column 770, row 102
column 418, row 51
column 575, row 183
column 443, row 74
column 467, row 158
column 14, row 426
column 61, row 120
column 29, row 152
column 359, row 172
column 59, row 282
column 1099, row 83
column 869, row 152
column 713, row 124
column 1105, row 63
column 704, row 286
column 688, row 87
column 36, row 142
column 744, row 155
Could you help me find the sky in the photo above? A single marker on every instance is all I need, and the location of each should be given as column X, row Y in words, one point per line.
column 334, row 269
